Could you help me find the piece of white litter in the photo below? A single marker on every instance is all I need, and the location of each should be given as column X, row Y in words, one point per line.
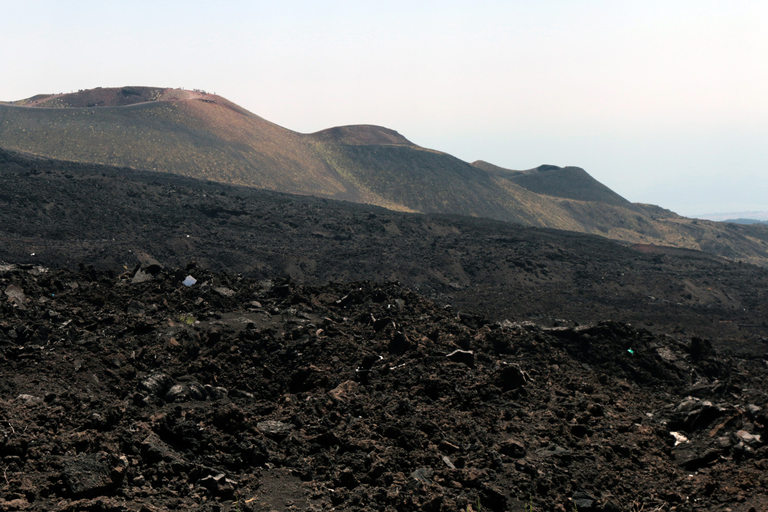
column 679, row 438
column 189, row 281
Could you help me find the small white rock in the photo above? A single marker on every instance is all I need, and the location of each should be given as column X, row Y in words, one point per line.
column 679, row 438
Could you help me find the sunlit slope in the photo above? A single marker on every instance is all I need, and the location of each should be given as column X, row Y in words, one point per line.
column 205, row 136
column 201, row 135
column 429, row 181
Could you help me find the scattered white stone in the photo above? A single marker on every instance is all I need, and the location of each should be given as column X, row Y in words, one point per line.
column 747, row 438
column 224, row 292
column 15, row 294
column 679, row 438
column 29, row 399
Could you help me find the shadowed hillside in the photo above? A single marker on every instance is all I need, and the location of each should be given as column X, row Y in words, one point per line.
column 205, row 136
column 551, row 180
column 64, row 214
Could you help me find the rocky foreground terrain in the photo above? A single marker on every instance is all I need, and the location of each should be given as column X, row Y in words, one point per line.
column 136, row 392
column 61, row 215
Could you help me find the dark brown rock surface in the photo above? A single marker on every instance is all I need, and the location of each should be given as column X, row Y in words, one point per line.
column 289, row 397
column 62, row 214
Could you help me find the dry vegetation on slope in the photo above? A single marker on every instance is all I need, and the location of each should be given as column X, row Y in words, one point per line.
column 205, row 136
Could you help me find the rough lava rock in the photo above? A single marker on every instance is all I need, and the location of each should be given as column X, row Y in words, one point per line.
column 134, row 396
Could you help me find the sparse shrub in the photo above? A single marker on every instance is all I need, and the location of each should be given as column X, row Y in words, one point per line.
column 187, row 319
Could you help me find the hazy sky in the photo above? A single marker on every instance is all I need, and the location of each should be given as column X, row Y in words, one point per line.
column 664, row 101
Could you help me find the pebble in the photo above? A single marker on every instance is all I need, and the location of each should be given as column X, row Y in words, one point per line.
column 29, row 399
column 462, row 356
column 88, row 475
column 274, row 428
column 157, row 383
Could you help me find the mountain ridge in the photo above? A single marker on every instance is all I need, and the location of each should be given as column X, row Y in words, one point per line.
column 206, row 136
column 568, row 182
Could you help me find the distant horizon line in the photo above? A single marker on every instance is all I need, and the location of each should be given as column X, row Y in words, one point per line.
column 720, row 216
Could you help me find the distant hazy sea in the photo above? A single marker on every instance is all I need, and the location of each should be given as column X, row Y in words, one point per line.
column 760, row 216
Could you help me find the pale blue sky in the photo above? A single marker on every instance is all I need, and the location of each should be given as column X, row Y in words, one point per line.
column 664, row 101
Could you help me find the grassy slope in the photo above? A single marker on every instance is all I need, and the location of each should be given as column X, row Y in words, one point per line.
column 206, row 136
column 430, row 181
column 205, row 140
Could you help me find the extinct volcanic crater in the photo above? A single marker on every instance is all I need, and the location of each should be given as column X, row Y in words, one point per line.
column 195, row 337
column 206, row 136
